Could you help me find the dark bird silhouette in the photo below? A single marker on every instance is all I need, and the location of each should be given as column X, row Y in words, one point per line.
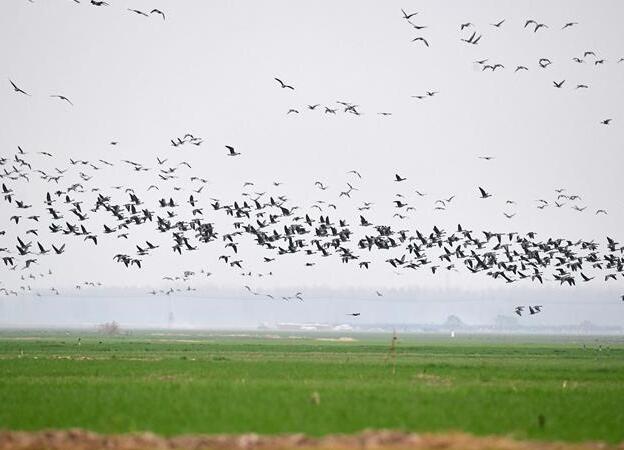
column 158, row 11
column 231, row 150
column 62, row 97
column 484, row 194
column 136, row 11
column 16, row 89
column 408, row 16
column 420, row 38
column 283, row 85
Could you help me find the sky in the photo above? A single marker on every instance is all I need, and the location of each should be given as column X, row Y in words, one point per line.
column 209, row 70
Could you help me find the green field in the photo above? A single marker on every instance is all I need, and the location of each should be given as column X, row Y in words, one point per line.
column 202, row 383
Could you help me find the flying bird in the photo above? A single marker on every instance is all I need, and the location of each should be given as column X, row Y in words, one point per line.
column 484, row 194
column 420, row 38
column 16, row 89
column 408, row 16
column 231, row 150
column 158, row 11
column 397, row 177
column 62, row 97
column 141, row 13
column 283, row 85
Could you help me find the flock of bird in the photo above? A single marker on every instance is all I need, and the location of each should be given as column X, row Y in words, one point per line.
column 86, row 213
column 75, row 207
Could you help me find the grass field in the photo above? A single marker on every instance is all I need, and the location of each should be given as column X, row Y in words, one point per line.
column 200, row 383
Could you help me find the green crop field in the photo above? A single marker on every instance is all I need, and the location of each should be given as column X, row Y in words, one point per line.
column 569, row 389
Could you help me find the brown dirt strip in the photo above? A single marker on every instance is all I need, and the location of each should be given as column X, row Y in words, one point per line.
column 395, row 440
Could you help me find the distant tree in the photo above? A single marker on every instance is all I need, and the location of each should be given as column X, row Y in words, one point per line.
column 110, row 328
column 453, row 322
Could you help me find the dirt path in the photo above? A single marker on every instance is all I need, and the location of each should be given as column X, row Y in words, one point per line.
column 84, row 440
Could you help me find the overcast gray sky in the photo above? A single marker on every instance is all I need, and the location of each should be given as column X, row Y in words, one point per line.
column 209, row 69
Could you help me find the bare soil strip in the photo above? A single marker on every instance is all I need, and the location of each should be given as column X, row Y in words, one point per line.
column 395, row 440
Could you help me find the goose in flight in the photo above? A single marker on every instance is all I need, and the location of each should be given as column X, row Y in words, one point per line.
column 16, row 89
column 141, row 13
column 283, row 85
column 473, row 39
column 398, row 177
column 529, row 22
column 484, row 194
column 232, row 151
column 420, row 38
column 408, row 16
column 158, row 11
column 320, row 185
column 62, row 97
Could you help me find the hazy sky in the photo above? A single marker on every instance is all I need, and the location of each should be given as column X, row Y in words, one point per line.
column 209, row 70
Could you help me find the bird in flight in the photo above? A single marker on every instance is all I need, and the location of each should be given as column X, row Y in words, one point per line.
column 232, row 151
column 62, row 97
column 158, row 11
column 483, row 193
column 16, row 89
column 559, row 85
column 568, row 25
column 498, row 24
column 420, row 38
column 141, row 13
column 354, row 314
column 283, row 85
column 398, row 177
column 473, row 39
column 408, row 16
column 606, row 121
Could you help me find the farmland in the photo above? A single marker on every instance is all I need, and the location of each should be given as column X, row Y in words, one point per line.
column 538, row 388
